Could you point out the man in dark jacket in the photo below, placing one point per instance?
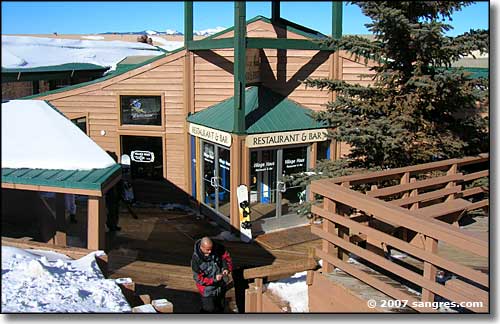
(211, 265)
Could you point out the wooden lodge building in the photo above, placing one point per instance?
(223, 111)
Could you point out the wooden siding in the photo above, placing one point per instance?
(102, 107)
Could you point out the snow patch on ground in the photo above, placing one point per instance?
(293, 290)
(93, 37)
(45, 282)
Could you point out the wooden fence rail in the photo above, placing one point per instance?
(412, 217)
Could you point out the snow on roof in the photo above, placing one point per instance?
(24, 51)
(36, 136)
(46, 282)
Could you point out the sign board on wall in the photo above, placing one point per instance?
(210, 134)
(286, 138)
(142, 156)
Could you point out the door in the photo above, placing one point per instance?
(270, 196)
(146, 156)
(216, 169)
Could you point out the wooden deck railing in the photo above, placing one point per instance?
(404, 216)
(255, 300)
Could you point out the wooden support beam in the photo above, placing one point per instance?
(235, 156)
(209, 44)
(188, 23)
(275, 11)
(60, 237)
(286, 43)
(337, 19)
(240, 46)
(96, 223)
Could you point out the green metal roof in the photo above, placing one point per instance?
(265, 112)
(477, 73)
(301, 30)
(57, 68)
(73, 179)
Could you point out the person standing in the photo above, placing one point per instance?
(113, 198)
(211, 265)
(70, 204)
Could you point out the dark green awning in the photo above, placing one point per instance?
(265, 112)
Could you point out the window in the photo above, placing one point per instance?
(81, 122)
(140, 110)
(324, 150)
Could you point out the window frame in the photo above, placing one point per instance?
(141, 127)
(85, 115)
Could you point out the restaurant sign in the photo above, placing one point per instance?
(210, 134)
(286, 138)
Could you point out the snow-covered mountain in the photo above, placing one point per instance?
(204, 32)
(209, 31)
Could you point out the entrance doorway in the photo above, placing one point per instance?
(270, 197)
(146, 155)
(216, 170)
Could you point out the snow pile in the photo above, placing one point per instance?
(93, 37)
(45, 282)
(166, 44)
(24, 51)
(36, 136)
(293, 290)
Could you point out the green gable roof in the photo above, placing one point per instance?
(72, 179)
(265, 112)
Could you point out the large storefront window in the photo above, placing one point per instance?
(216, 169)
(270, 196)
(140, 110)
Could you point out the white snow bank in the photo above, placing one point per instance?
(209, 31)
(45, 281)
(93, 37)
(24, 51)
(293, 290)
(36, 136)
(166, 44)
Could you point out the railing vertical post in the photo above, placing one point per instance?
(431, 245)
(453, 170)
(328, 227)
(414, 193)
(343, 232)
(405, 179)
(259, 282)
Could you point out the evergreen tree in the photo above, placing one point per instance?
(419, 109)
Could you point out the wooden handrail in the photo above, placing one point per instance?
(398, 172)
(396, 269)
(397, 215)
(405, 247)
(277, 270)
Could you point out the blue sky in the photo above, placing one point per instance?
(42, 17)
